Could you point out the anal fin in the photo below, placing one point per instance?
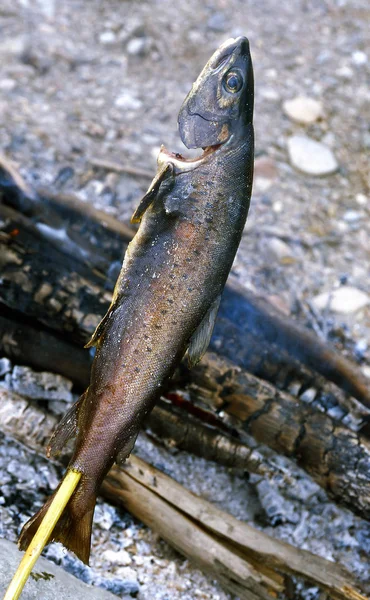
(66, 429)
(200, 339)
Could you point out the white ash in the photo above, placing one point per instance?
(39, 386)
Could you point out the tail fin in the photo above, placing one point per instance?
(73, 529)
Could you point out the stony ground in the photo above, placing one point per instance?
(84, 80)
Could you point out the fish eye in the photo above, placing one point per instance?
(233, 82)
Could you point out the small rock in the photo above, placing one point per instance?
(344, 300)
(121, 557)
(7, 85)
(359, 58)
(361, 199)
(311, 157)
(279, 250)
(270, 94)
(127, 101)
(344, 72)
(107, 38)
(351, 216)
(303, 109)
(138, 46)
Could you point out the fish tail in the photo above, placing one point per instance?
(73, 529)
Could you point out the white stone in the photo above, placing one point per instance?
(311, 157)
(7, 84)
(138, 46)
(121, 557)
(303, 109)
(270, 94)
(278, 250)
(107, 37)
(359, 58)
(351, 216)
(344, 300)
(361, 199)
(127, 102)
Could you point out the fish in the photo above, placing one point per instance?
(168, 292)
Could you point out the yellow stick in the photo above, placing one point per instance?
(42, 535)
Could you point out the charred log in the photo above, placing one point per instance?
(43, 229)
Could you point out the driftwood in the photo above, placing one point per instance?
(247, 562)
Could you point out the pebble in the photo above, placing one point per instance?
(138, 46)
(127, 101)
(279, 250)
(303, 109)
(107, 37)
(121, 557)
(344, 300)
(311, 157)
(265, 172)
(359, 58)
(351, 216)
(7, 84)
(361, 199)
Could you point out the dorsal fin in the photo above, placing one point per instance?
(201, 337)
(165, 171)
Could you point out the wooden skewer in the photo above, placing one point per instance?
(42, 535)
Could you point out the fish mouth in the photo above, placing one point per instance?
(179, 158)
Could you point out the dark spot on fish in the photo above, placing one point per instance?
(149, 349)
(137, 370)
(169, 300)
(164, 311)
(185, 276)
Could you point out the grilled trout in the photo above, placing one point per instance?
(168, 292)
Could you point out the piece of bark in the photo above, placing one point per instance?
(246, 561)
(337, 458)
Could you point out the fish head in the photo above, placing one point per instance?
(220, 104)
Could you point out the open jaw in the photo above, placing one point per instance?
(178, 158)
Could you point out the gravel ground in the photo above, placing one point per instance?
(80, 80)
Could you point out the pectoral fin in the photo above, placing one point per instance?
(95, 338)
(200, 339)
(165, 171)
(66, 429)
